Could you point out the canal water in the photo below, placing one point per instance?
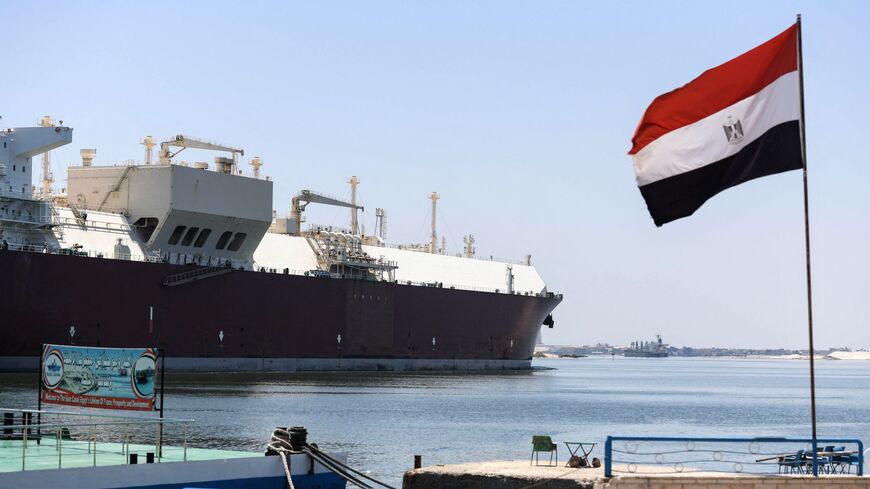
(383, 419)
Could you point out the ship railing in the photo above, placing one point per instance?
(638, 455)
(73, 251)
(109, 226)
(474, 288)
(318, 228)
(14, 194)
(440, 285)
(25, 223)
(286, 271)
(44, 439)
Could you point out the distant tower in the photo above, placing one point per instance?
(256, 163)
(381, 224)
(469, 245)
(47, 177)
(434, 196)
(149, 144)
(354, 182)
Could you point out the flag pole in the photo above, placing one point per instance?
(803, 135)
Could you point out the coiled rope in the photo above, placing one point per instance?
(284, 442)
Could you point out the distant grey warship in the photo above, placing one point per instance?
(648, 349)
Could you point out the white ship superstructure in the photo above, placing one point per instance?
(215, 217)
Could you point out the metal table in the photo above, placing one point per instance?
(580, 446)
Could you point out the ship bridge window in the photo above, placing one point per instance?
(176, 234)
(222, 241)
(200, 240)
(237, 241)
(145, 227)
(189, 235)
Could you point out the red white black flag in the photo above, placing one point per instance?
(734, 123)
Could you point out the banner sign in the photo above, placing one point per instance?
(106, 378)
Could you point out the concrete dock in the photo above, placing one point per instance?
(518, 474)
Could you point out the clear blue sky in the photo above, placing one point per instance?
(518, 113)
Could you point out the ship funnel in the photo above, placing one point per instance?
(149, 143)
(223, 164)
(87, 156)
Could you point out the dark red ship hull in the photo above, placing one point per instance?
(245, 320)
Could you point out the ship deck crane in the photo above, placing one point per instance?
(184, 142)
(305, 197)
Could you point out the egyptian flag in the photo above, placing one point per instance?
(734, 123)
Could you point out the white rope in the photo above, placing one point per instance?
(281, 445)
(282, 448)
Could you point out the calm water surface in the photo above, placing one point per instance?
(381, 419)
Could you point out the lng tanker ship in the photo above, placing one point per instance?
(192, 259)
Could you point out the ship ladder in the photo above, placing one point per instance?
(116, 187)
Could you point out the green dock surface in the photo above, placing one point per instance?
(49, 454)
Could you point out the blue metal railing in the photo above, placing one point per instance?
(754, 449)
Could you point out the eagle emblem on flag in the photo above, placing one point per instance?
(733, 130)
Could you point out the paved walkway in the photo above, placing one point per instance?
(518, 474)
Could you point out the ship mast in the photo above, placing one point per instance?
(354, 182)
(47, 177)
(256, 163)
(469, 245)
(434, 196)
(381, 224)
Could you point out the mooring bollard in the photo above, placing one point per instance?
(298, 438)
(418, 461)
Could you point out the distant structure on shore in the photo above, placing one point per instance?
(598, 349)
(647, 349)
